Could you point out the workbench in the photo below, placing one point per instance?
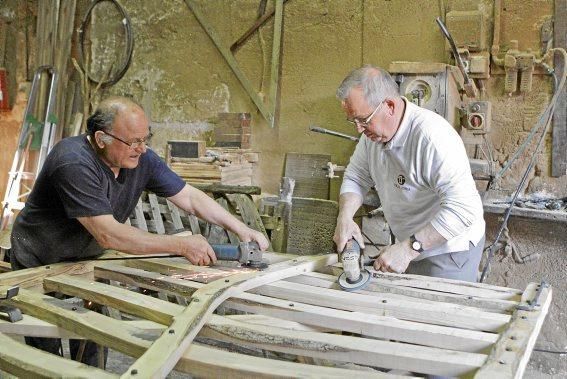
(290, 320)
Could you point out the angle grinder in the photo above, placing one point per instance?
(354, 276)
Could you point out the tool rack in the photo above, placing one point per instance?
(290, 320)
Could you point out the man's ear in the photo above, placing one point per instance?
(98, 139)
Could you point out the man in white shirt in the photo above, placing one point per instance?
(418, 164)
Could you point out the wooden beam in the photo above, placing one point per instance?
(164, 353)
(559, 152)
(376, 287)
(372, 352)
(233, 64)
(25, 361)
(510, 355)
(388, 305)
(94, 326)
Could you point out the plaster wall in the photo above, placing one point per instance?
(182, 80)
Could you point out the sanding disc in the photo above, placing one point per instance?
(349, 285)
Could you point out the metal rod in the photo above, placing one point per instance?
(318, 129)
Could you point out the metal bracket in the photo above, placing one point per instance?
(14, 314)
(535, 301)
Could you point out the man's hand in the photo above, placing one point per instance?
(346, 230)
(197, 250)
(253, 235)
(395, 258)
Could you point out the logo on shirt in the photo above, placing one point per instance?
(400, 181)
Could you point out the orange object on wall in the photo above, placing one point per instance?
(4, 100)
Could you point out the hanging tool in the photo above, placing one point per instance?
(37, 133)
(318, 129)
(246, 253)
(354, 276)
(470, 87)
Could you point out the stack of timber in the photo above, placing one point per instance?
(228, 166)
(292, 321)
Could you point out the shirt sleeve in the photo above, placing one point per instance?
(357, 176)
(163, 181)
(446, 169)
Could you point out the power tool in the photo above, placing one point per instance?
(354, 276)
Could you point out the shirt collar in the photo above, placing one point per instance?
(399, 139)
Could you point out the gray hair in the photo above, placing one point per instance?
(103, 117)
(377, 85)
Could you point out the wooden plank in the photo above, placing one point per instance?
(139, 221)
(197, 360)
(27, 362)
(226, 189)
(374, 287)
(354, 322)
(438, 313)
(446, 285)
(233, 64)
(558, 151)
(94, 326)
(249, 213)
(127, 301)
(510, 355)
(233, 238)
(156, 214)
(390, 355)
(164, 353)
(175, 216)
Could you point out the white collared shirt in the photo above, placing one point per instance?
(422, 176)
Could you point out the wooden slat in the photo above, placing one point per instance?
(164, 353)
(354, 322)
(140, 220)
(175, 216)
(94, 326)
(377, 287)
(363, 351)
(127, 301)
(438, 314)
(156, 214)
(511, 353)
(249, 213)
(27, 362)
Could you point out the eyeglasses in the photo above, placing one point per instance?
(134, 144)
(364, 123)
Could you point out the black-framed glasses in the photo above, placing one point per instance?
(364, 123)
(134, 144)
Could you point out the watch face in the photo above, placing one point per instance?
(416, 245)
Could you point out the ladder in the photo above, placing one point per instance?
(36, 134)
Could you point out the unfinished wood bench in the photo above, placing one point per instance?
(290, 320)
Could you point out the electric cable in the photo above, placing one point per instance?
(127, 24)
(549, 112)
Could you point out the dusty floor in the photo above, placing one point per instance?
(550, 240)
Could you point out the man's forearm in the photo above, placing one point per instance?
(349, 202)
(429, 237)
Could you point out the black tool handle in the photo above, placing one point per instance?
(227, 252)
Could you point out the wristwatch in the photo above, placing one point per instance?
(415, 244)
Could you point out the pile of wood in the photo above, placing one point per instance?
(220, 166)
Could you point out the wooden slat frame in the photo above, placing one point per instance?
(354, 322)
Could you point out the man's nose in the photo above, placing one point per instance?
(141, 148)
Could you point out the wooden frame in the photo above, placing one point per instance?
(400, 322)
(268, 111)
